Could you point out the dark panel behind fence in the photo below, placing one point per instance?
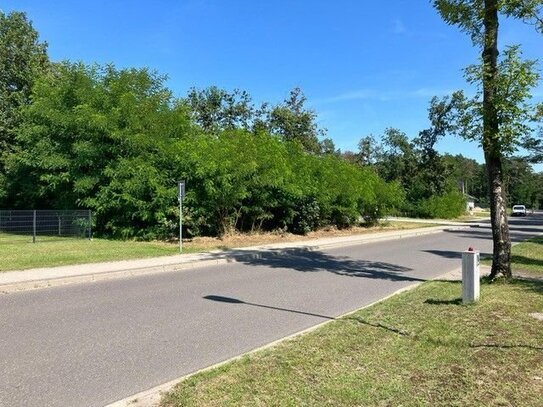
(33, 225)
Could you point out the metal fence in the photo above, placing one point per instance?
(34, 225)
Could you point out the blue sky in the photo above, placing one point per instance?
(364, 65)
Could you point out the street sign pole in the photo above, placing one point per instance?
(181, 196)
(180, 226)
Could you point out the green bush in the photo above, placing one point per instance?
(450, 205)
(117, 142)
(306, 217)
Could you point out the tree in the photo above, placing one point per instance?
(523, 185)
(467, 173)
(327, 146)
(293, 122)
(216, 109)
(104, 139)
(397, 161)
(368, 151)
(22, 59)
(480, 20)
(535, 146)
(431, 168)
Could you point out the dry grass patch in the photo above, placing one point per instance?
(255, 239)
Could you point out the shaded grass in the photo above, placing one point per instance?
(525, 257)
(420, 348)
(528, 255)
(17, 252)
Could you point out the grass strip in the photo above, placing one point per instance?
(24, 255)
(528, 256)
(19, 253)
(419, 348)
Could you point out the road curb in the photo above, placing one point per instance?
(210, 259)
(103, 276)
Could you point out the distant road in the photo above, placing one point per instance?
(92, 344)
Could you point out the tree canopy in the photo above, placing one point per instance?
(23, 58)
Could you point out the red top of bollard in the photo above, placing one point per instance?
(470, 249)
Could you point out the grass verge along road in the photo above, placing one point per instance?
(528, 256)
(17, 254)
(418, 348)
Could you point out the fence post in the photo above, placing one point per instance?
(34, 227)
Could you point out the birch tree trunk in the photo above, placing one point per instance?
(501, 259)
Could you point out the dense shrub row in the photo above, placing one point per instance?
(117, 141)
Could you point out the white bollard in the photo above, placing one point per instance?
(470, 276)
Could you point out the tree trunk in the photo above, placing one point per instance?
(501, 260)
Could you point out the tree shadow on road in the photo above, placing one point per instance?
(513, 221)
(448, 254)
(232, 300)
(517, 235)
(306, 260)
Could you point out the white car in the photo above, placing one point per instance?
(519, 210)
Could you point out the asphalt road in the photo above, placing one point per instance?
(92, 344)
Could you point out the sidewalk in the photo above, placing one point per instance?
(12, 281)
(471, 222)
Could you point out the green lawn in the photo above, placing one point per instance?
(528, 256)
(24, 255)
(419, 348)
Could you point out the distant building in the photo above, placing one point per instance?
(470, 203)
